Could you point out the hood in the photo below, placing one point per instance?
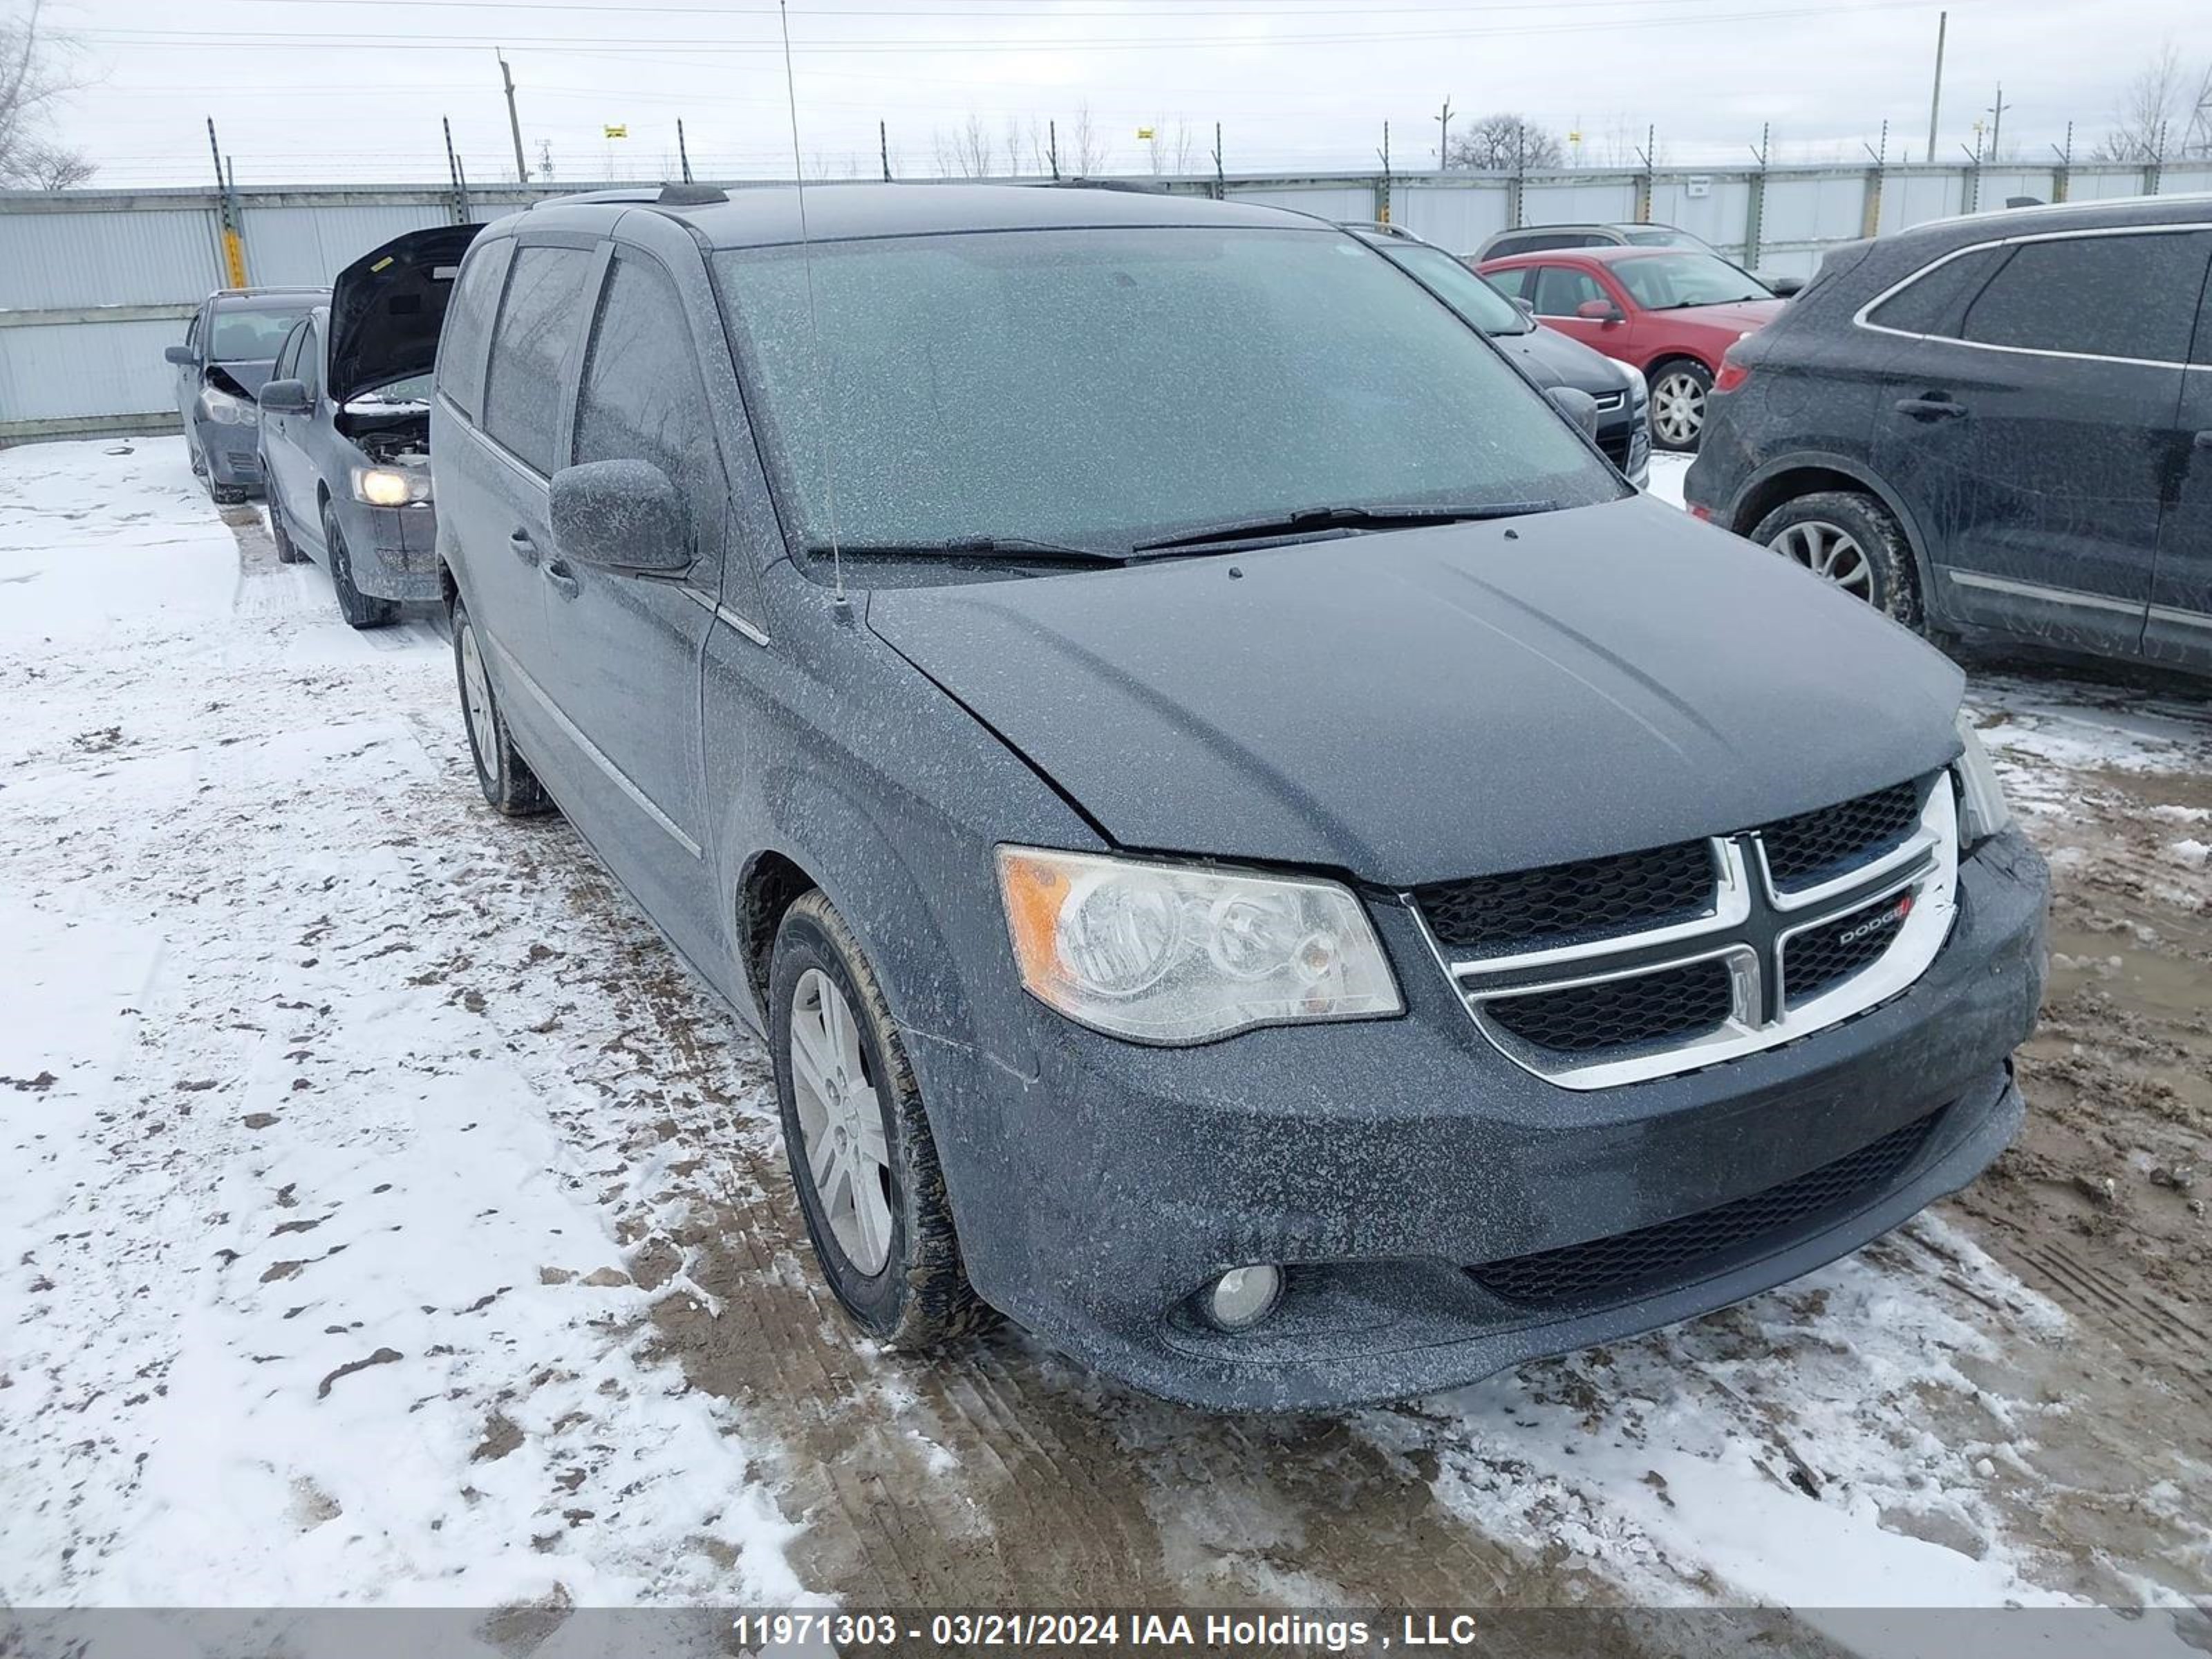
(243, 379)
(1739, 318)
(1553, 360)
(387, 306)
(1442, 702)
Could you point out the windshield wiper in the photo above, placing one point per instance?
(1320, 520)
(971, 547)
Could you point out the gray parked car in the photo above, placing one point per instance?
(227, 351)
(1252, 851)
(345, 426)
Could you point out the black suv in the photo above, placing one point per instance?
(2001, 423)
(1252, 851)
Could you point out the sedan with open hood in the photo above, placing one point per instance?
(345, 426)
(1253, 852)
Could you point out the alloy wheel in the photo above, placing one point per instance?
(476, 693)
(841, 1123)
(1678, 408)
(1830, 552)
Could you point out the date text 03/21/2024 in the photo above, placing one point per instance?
(1212, 1631)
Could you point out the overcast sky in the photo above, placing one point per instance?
(306, 90)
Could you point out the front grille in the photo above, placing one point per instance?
(1564, 902)
(1802, 851)
(1831, 953)
(1617, 446)
(1692, 1247)
(1617, 1013)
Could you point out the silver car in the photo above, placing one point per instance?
(226, 356)
(345, 427)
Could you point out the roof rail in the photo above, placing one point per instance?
(665, 195)
(1129, 184)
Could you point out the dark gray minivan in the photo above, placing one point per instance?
(1254, 853)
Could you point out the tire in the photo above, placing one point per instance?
(1681, 385)
(288, 550)
(1849, 538)
(504, 777)
(909, 1288)
(355, 606)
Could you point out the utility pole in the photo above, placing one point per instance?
(1444, 137)
(1935, 99)
(682, 151)
(513, 122)
(883, 147)
(1996, 122)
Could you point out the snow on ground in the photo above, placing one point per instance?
(389, 1219)
(310, 1292)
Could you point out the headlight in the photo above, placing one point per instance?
(227, 411)
(386, 486)
(1175, 953)
(1982, 809)
(1639, 389)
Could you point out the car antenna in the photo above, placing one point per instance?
(813, 316)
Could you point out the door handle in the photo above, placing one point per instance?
(563, 580)
(1930, 409)
(524, 549)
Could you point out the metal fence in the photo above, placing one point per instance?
(95, 283)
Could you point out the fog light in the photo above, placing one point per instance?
(1243, 1297)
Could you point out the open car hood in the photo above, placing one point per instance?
(388, 306)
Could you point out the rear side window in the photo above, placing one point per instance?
(1930, 302)
(2105, 296)
(530, 351)
(1561, 288)
(468, 319)
(641, 398)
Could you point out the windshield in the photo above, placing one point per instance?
(1667, 281)
(244, 333)
(1479, 304)
(411, 392)
(1098, 388)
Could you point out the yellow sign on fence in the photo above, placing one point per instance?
(621, 132)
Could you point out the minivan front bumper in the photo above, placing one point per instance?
(1439, 1211)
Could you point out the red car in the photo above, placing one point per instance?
(1668, 312)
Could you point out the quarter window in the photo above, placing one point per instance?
(530, 351)
(1514, 283)
(1930, 303)
(459, 372)
(641, 398)
(2106, 296)
(308, 369)
(289, 357)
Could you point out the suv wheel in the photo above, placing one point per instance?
(355, 606)
(857, 1141)
(1850, 539)
(1678, 404)
(505, 777)
(288, 550)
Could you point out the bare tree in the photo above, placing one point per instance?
(966, 151)
(32, 78)
(1085, 153)
(2165, 109)
(1171, 149)
(1501, 143)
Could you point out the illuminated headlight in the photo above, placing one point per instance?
(1982, 809)
(386, 486)
(226, 410)
(1175, 953)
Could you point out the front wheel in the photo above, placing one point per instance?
(1849, 538)
(1678, 404)
(355, 606)
(861, 1155)
(505, 777)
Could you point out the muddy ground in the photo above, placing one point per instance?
(2007, 1400)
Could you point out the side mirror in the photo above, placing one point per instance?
(623, 515)
(1598, 311)
(1527, 308)
(182, 355)
(285, 398)
(1783, 287)
(1577, 407)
